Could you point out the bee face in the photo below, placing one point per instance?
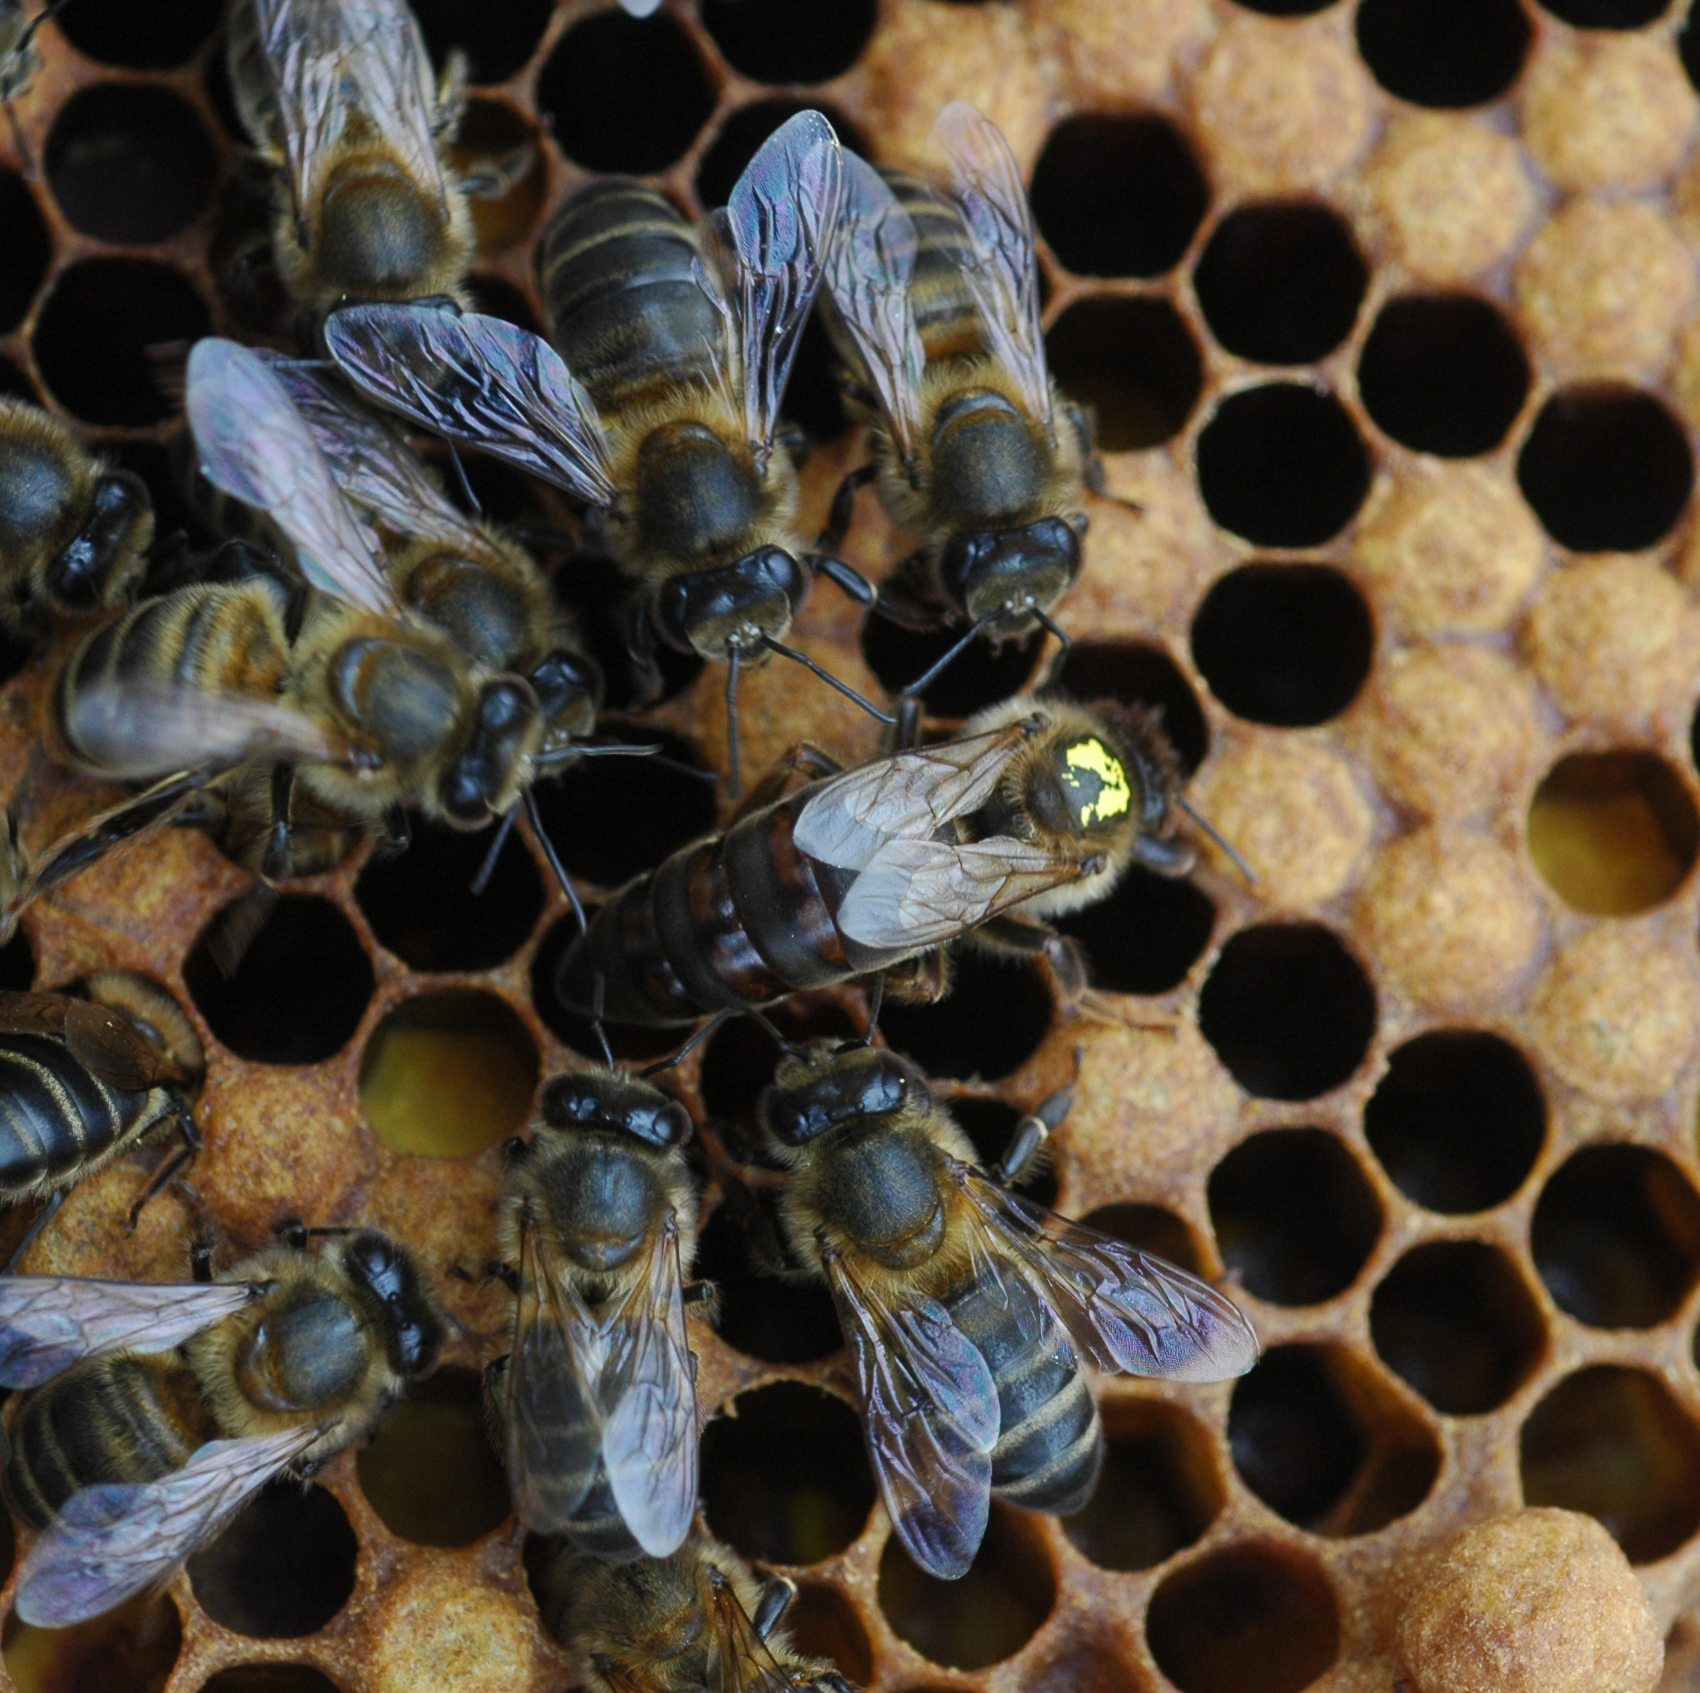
(824, 1089)
(412, 1330)
(985, 570)
(593, 1099)
(568, 687)
(711, 611)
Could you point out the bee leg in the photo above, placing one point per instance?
(506, 1274)
(832, 1682)
(292, 1232)
(167, 1172)
(850, 581)
(1031, 1134)
(1016, 937)
(1169, 856)
(1092, 467)
(935, 670)
(876, 1004)
(777, 1592)
(33, 1233)
(699, 1293)
(639, 635)
(201, 1250)
(843, 506)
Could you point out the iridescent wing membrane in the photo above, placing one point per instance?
(911, 889)
(611, 1389)
(331, 63)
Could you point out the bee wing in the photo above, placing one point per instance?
(776, 229)
(48, 1323)
(1129, 1311)
(851, 817)
(114, 1541)
(113, 1049)
(375, 468)
(743, 1661)
(253, 444)
(479, 380)
(868, 269)
(1003, 275)
(648, 1394)
(135, 730)
(552, 1420)
(330, 59)
(930, 1412)
(921, 893)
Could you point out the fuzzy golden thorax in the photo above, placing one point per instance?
(155, 1015)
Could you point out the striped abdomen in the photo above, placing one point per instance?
(625, 310)
(117, 1419)
(740, 918)
(945, 313)
(1050, 1442)
(58, 1120)
(225, 639)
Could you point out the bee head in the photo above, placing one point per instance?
(600, 1099)
(708, 611)
(385, 1275)
(480, 782)
(988, 572)
(826, 1085)
(568, 686)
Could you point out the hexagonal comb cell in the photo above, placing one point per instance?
(269, 1678)
(131, 1649)
(780, 1322)
(1157, 1493)
(785, 1477)
(1133, 362)
(824, 1624)
(283, 1568)
(1610, 1440)
(1152, 1229)
(1445, 53)
(497, 40)
(980, 677)
(1616, 1236)
(1293, 1214)
(115, 33)
(986, 1616)
(990, 1025)
(429, 1472)
(1456, 1320)
(1613, 832)
(28, 250)
(1319, 1437)
(1284, 644)
(1253, 1618)
(774, 41)
(1145, 678)
(447, 1074)
(1457, 1121)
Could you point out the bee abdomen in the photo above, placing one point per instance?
(121, 1419)
(597, 1526)
(1050, 1443)
(625, 309)
(945, 313)
(55, 1116)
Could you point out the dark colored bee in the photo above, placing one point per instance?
(659, 402)
(970, 1312)
(73, 534)
(1036, 811)
(935, 299)
(85, 1075)
(597, 1399)
(158, 1410)
(696, 1621)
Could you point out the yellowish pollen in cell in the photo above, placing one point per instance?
(1114, 795)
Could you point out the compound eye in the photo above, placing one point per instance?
(674, 1122)
(568, 1100)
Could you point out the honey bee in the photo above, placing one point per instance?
(345, 689)
(339, 99)
(1036, 811)
(935, 300)
(658, 405)
(693, 1621)
(597, 1398)
(86, 1074)
(74, 534)
(156, 1411)
(970, 1312)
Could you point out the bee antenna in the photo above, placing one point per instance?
(535, 818)
(460, 476)
(733, 663)
(696, 1039)
(876, 1004)
(831, 681)
(1211, 830)
(488, 868)
(598, 990)
(1053, 672)
(930, 675)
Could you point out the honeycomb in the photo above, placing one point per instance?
(1387, 309)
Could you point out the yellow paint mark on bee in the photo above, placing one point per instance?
(1114, 795)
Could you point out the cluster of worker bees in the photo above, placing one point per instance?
(360, 648)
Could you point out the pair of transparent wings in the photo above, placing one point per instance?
(256, 444)
(333, 65)
(611, 1392)
(929, 1400)
(873, 260)
(484, 382)
(910, 889)
(113, 1541)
